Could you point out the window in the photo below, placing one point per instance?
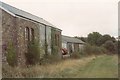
(32, 34)
(27, 34)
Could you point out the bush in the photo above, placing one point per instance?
(54, 58)
(33, 55)
(110, 46)
(11, 55)
(89, 50)
(75, 55)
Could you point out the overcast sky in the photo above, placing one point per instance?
(75, 17)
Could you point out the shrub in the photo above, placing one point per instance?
(54, 58)
(110, 46)
(33, 55)
(75, 55)
(89, 50)
(11, 55)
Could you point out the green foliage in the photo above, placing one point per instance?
(51, 59)
(113, 39)
(110, 46)
(33, 55)
(84, 39)
(97, 39)
(99, 67)
(11, 55)
(76, 55)
(89, 50)
(93, 37)
(103, 39)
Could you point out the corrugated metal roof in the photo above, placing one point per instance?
(22, 13)
(71, 39)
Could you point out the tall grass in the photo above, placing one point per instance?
(55, 70)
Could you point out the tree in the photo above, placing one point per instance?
(101, 40)
(113, 39)
(93, 37)
(84, 39)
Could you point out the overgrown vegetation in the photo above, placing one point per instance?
(110, 46)
(96, 50)
(97, 43)
(76, 55)
(50, 59)
(11, 54)
(33, 54)
(102, 66)
(53, 66)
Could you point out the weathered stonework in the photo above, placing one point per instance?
(0, 43)
(9, 32)
(21, 41)
(14, 32)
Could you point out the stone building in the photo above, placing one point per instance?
(72, 44)
(20, 27)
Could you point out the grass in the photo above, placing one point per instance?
(97, 67)
(102, 67)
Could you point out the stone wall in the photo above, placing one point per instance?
(21, 40)
(56, 42)
(0, 43)
(14, 31)
(9, 33)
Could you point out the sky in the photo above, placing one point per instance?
(75, 17)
